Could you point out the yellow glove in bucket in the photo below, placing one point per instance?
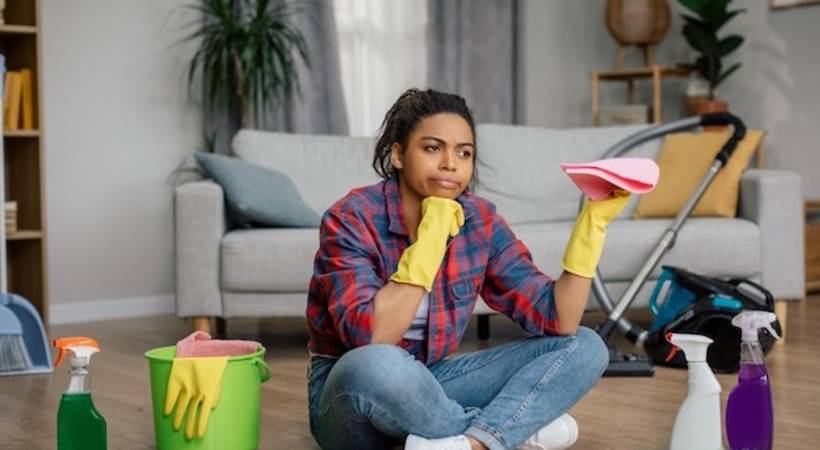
(420, 262)
(586, 243)
(194, 386)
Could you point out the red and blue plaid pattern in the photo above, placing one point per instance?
(362, 238)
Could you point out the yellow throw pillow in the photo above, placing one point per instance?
(684, 160)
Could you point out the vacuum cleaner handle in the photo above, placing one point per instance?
(723, 119)
(608, 326)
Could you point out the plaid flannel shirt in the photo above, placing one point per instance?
(362, 238)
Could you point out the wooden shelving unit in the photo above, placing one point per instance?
(18, 29)
(629, 76)
(24, 162)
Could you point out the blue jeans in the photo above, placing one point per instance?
(374, 396)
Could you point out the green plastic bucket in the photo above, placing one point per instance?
(234, 423)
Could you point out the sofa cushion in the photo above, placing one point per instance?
(324, 168)
(519, 167)
(252, 260)
(259, 194)
(268, 259)
(684, 159)
(715, 246)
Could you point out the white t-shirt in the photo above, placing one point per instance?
(418, 328)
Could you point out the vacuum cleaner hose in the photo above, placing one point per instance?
(723, 119)
(615, 312)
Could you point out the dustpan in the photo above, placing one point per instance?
(16, 313)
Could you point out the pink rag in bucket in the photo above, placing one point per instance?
(200, 343)
(598, 179)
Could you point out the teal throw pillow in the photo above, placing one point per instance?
(259, 194)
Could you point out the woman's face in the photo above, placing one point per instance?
(439, 157)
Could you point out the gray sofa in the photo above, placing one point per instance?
(225, 272)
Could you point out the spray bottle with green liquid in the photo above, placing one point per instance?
(79, 425)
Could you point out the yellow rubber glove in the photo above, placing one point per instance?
(419, 264)
(194, 385)
(586, 243)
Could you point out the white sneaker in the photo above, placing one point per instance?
(459, 442)
(559, 434)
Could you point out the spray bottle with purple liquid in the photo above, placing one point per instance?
(749, 412)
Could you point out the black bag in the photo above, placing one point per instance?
(714, 303)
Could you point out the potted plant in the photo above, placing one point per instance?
(246, 59)
(701, 32)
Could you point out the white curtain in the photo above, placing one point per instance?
(383, 51)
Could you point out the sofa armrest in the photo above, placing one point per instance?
(199, 224)
(774, 200)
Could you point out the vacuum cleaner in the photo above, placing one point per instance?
(631, 364)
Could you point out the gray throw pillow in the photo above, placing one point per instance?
(258, 194)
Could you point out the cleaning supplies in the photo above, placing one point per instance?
(13, 354)
(200, 343)
(420, 262)
(79, 425)
(697, 425)
(749, 413)
(194, 383)
(599, 179)
(688, 302)
(193, 390)
(23, 344)
(233, 425)
(586, 243)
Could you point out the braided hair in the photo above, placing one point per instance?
(402, 118)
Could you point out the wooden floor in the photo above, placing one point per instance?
(619, 413)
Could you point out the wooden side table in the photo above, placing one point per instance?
(655, 72)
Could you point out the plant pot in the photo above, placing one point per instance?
(697, 90)
(707, 106)
(637, 22)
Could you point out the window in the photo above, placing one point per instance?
(382, 51)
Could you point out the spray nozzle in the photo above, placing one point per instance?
(82, 348)
(751, 320)
(694, 346)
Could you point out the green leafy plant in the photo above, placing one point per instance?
(701, 32)
(246, 57)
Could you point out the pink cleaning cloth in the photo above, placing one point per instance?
(200, 343)
(598, 179)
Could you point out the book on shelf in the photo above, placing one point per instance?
(18, 100)
(27, 102)
(10, 215)
(11, 110)
(6, 94)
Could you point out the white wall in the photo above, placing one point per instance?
(116, 125)
(796, 141)
(776, 89)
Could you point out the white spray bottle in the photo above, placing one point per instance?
(697, 425)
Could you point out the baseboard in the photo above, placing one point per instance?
(118, 308)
